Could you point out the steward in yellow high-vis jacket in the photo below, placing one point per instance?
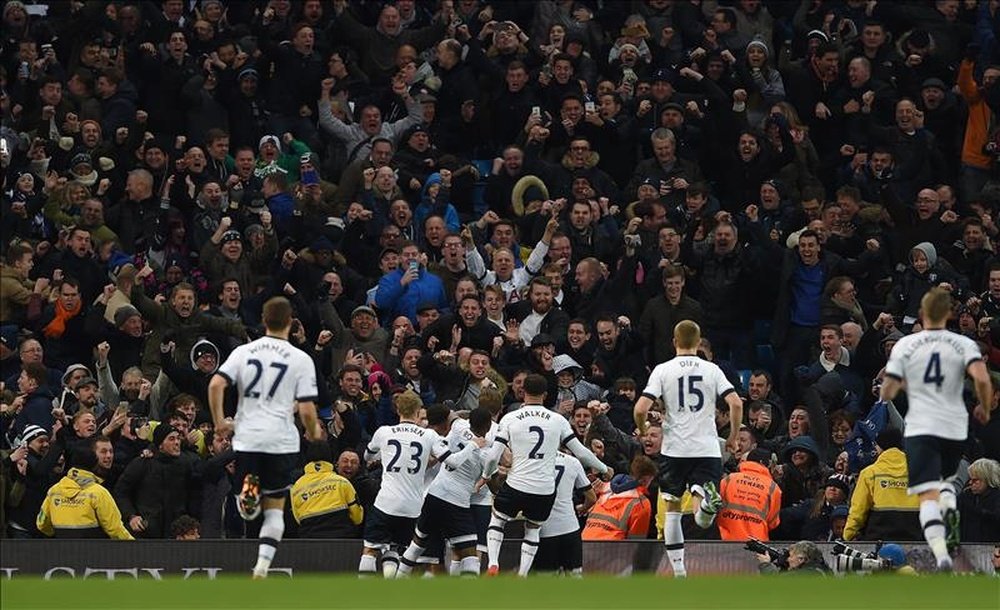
(323, 502)
(78, 506)
(880, 507)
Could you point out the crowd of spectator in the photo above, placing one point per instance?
(457, 193)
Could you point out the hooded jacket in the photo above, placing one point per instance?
(78, 506)
(913, 285)
(581, 390)
(190, 380)
(440, 205)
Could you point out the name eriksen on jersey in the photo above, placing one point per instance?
(408, 428)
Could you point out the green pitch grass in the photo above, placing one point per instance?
(604, 593)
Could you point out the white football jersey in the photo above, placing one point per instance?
(405, 451)
(483, 497)
(570, 477)
(269, 376)
(689, 388)
(455, 485)
(533, 434)
(933, 365)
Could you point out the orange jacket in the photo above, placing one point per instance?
(750, 503)
(619, 516)
(977, 126)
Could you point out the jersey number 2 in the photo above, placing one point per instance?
(416, 450)
(692, 390)
(533, 454)
(933, 372)
(250, 392)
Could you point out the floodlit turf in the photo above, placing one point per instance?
(604, 593)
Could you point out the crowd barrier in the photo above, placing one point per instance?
(151, 559)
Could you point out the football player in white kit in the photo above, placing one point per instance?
(446, 513)
(689, 388)
(272, 378)
(405, 451)
(933, 364)
(534, 435)
(561, 547)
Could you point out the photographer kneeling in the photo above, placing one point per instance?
(803, 557)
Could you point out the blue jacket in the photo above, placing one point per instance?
(438, 205)
(393, 299)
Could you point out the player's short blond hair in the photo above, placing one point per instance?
(408, 403)
(687, 334)
(277, 314)
(936, 305)
(491, 399)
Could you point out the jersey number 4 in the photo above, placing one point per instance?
(251, 391)
(690, 391)
(933, 374)
(416, 450)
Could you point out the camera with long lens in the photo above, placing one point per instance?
(778, 557)
(847, 559)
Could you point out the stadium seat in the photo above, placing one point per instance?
(762, 331)
(765, 356)
(744, 378)
(484, 166)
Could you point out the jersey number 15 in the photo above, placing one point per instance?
(690, 390)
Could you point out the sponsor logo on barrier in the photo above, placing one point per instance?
(58, 572)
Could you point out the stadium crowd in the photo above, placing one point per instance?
(457, 194)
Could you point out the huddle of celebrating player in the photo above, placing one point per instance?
(438, 481)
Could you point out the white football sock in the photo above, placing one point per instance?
(673, 537)
(494, 539)
(528, 549)
(934, 532)
(270, 535)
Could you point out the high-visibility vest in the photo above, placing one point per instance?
(751, 501)
(619, 516)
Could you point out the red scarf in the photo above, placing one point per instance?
(56, 328)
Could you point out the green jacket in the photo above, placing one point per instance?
(184, 332)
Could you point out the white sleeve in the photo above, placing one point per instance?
(654, 387)
(972, 352)
(894, 367)
(586, 456)
(443, 453)
(537, 258)
(306, 389)
(374, 445)
(722, 384)
(231, 368)
(581, 481)
(475, 264)
(495, 452)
